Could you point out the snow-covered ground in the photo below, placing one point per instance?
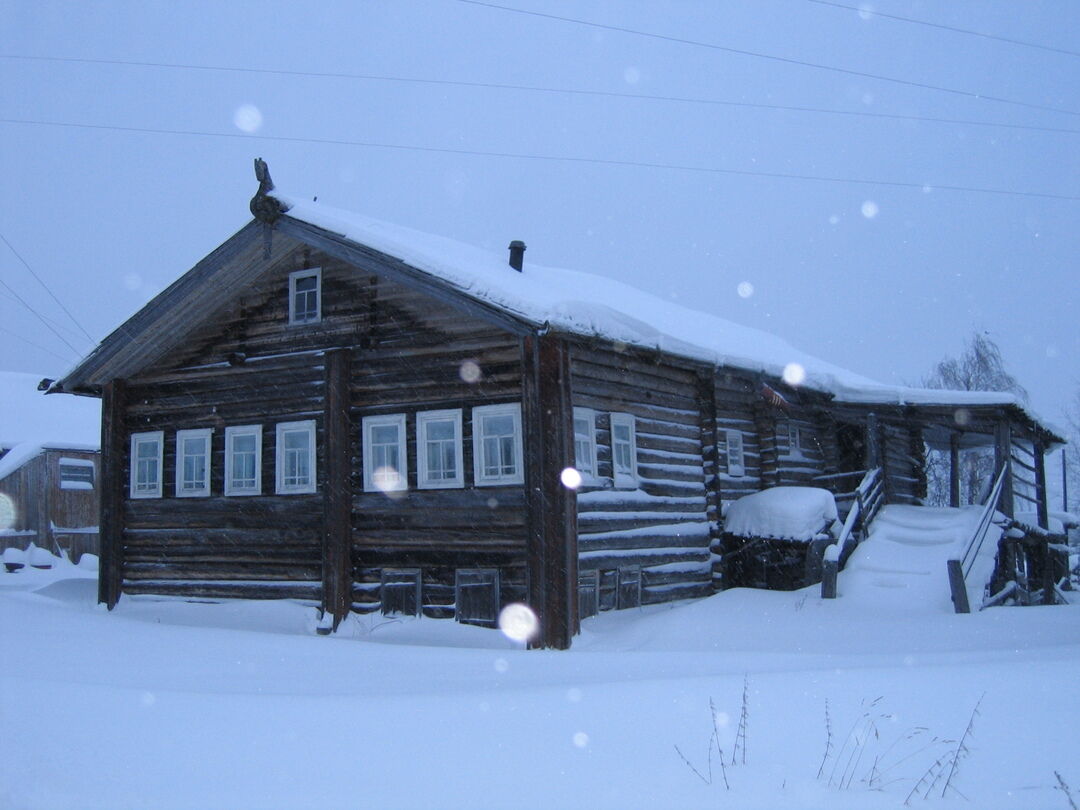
(172, 704)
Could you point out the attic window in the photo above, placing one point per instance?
(76, 473)
(305, 296)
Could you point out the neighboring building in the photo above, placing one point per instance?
(333, 408)
(48, 469)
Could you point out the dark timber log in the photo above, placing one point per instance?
(954, 470)
(551, 507)
(337, 531)
(1040, 486)
(111, 528)
(1003, 459)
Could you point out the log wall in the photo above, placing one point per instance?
(662, 527)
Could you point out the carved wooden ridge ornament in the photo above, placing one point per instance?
(264, 207)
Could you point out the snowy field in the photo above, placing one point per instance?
(170, 704)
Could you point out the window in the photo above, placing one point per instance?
(386, 468)
(497, 444)
(77, 473)
(477, 596)
(624, 449)
(799, 439)
(585, 441)
(438, 450)
(146, 464)
(296, 457)
(243, 460)
(400, 592)
(193, 463)
(305, 296)
(736, 464)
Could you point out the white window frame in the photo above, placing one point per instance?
(512, 409)
(367, 424)
(623, 478)
(735, 453)
(589, 440)
(156, 437)
(231, 433)
(295, 276)
(794, 440)
(307, 425)
(203, 490)
(74, 484)
(423, 419)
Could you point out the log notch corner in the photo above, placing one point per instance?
(551, 507)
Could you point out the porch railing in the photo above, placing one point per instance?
(869, 497)
(959, 568)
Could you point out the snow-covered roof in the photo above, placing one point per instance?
(31, 421)
(585, 304)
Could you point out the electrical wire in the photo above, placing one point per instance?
(772, 57)
(542, 89)
(52, 295)
(871, 12)
(39, 316)
(551, 158)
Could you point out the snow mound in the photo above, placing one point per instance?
(786, 513)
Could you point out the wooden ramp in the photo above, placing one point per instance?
(903, 562)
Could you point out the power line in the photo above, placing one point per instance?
(773, 58)
(37, 346)
(874, 13)
(18, 256)
(551, 158)
(40, 317)
(543, 89)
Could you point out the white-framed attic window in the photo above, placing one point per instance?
(193, 463)
(624, 450)
(295, 461)
(243, 460)
(77, 474)
(305, 296)
(585, 441)
(386, 467)
(736, 460)
(147, 461)
(439, 455)
(497, 445)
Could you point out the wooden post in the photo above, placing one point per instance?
(957, 587)
(954, 469)
(111, 521)
(337, 515)
(1042, 505)
(1003, 460)
(551, 507)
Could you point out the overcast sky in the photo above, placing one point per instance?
(131, 173)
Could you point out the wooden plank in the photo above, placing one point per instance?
(111, 525)
(337, 515)
(551, 554)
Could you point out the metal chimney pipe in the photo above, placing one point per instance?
(517, 254)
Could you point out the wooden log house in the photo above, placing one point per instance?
(331, 408)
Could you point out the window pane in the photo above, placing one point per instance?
(498, 425)
(296, 440)
(306, 283)
(147, 450)
(384, 434)
(442, 429)
(244, 443)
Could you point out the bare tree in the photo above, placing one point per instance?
(980, 367)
